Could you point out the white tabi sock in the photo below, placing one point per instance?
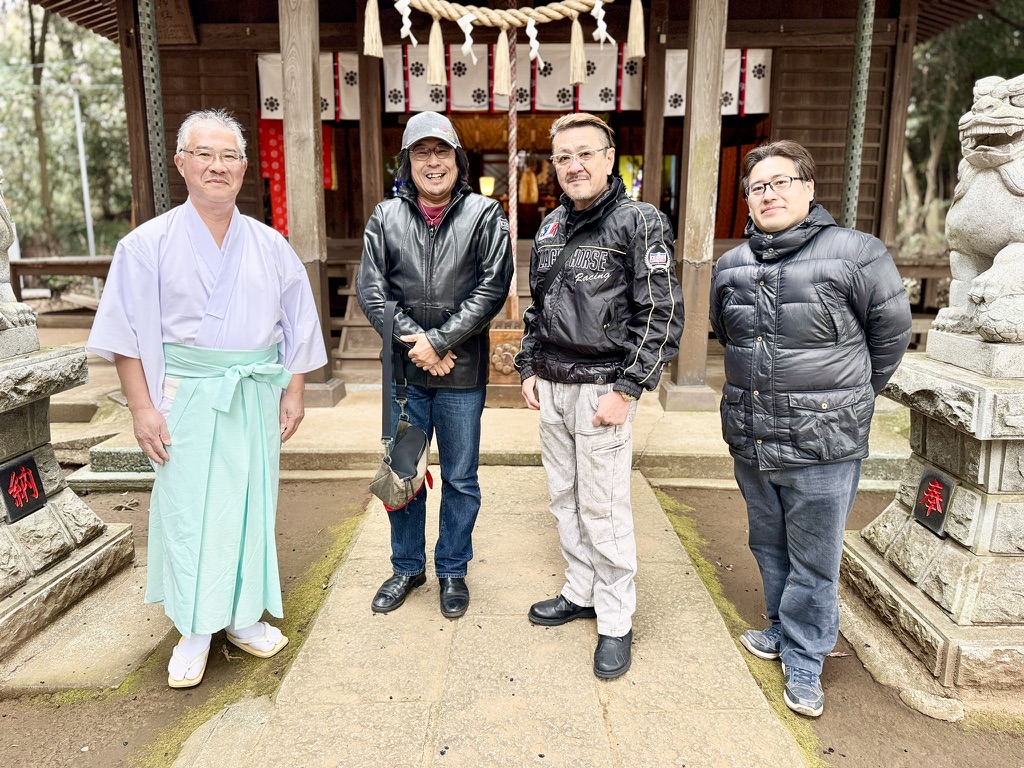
(189, 648)
(274, 635)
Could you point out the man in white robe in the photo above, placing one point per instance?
(210, 320)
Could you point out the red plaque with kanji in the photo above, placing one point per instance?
(932, 501)
(22, 487)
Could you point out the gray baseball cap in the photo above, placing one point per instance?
(427, 125)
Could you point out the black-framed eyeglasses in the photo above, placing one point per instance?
(207, 156)
(584, 156)
(441, 152)
(778, 184)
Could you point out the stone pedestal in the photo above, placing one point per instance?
(695, 397)
(54, 555)
(955, 599)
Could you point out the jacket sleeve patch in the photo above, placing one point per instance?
(657, 258)
(503, 222)
(548, 230)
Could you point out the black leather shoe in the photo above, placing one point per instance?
(613, 655)
(558, 610)
(392, 593)
(454, 597)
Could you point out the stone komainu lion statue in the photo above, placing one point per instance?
(13, 313)
(985, 224)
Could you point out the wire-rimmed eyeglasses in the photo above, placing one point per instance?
(441, 152)
(207, 156)
(584, 156)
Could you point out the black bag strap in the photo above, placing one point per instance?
(391, 365)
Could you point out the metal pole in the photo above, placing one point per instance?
(154, 105)
(80, 134)
(858, 108)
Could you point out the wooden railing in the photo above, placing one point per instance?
(91, 266)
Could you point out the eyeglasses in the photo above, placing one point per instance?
(441, 152)
(780, 184)
(206, 156)
(584, 156)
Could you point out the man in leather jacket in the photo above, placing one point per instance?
(444, 254)
(815, 320)
(597, 335)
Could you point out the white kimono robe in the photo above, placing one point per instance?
(169, 282)
(212, 556)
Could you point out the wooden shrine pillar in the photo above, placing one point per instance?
(654, 105)
(307, 232)
(371, 134)
(903, 69)
(130, 43)
(702, 139)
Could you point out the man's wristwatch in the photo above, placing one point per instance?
(626, 396)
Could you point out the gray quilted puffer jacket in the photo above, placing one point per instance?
(814, 320)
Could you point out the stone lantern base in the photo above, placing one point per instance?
(53, 555)
(947, 579)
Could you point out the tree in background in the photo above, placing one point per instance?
(47, 239)
(42, 57)
(946, 68)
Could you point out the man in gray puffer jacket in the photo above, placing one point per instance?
(814, 319)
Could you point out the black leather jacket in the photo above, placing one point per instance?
(814, 320)
(448, 284)
(614, 313)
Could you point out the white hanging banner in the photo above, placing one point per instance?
(600, 92)
(613, 82)
(631, 82)
(746, 82)
(469, 82)
(731, 81)
(406, 86)
(271, 86)
(328, 108)
(756, 88)
(675, 82)
(524, 75)
(554, 92)
(347, 79)
(422, 97)
(405, 81)
(394, 79)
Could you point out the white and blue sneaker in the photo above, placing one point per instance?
(765, 644)
(803, 692)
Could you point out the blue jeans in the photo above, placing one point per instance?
(797, 518)
(452, 418)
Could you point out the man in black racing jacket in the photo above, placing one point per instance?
(444, 254)
(598, 333)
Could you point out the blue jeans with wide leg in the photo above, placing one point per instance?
(797, 517)
(452, 418)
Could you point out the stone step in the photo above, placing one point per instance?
(119, 460)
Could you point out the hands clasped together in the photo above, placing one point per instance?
(426, 358)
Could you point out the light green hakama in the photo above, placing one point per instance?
(212, 549)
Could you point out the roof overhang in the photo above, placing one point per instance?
(100, 16)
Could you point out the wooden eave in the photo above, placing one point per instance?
(100, 16)
(936, 16)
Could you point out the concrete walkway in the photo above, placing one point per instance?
(412, 688)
